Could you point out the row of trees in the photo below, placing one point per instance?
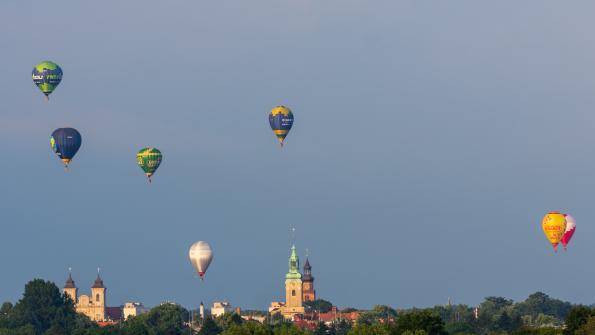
(44, 310)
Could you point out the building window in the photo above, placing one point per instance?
(97, 297)
(293, 293)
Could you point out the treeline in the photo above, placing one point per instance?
(44, 310)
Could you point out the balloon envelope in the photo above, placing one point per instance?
(281, 121)
(47, 76)
(149, 160)
(554, 225)
(569, 231)
(65, 143)
(201, 256)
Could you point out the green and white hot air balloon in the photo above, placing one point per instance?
(47, 76)
(149, 160)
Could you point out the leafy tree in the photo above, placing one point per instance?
(23, 330)
(225, 321)
(276, 318)
(496, 303)
(43, 307)
(460, 327)
(417, 332)
(419, 320)
(248, 328)
(322, 329)
(366, 318)
(166, 319)
(209, 327)
(538, 331)
(587, 328)
(540, 303)
(504, 322)
(341, 327)
(380, 313)
(454, 313)
(4, 314)
(577, 316)
(5, 309)
(136, 325)
(287, 328)
(383, 311)
(367, 329)
(319, 305)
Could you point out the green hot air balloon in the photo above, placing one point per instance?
(47, 76)
(149, 159)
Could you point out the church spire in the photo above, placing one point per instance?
(294, 265)
(98, 281)
(308, 271)
(69, 282)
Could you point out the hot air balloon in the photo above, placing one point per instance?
(570, 228)
(554, 225)
(47, 76)
(201, 256)
(149, 160)
(281, 120)
(66, 142)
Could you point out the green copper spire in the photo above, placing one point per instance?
(294, 265)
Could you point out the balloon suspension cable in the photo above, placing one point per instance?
(149, 180)
(281, 144)
(66, 167)
(47, 98)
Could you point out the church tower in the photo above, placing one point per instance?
(70, 288)
(308, 285)
(293, 287)
(98, 299)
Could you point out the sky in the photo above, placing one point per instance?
(430, 139)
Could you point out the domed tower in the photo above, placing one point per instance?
(308, 283)
(98, 299)
(293, 287)
(70, 288)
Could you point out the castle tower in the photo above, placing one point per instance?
(70, 288)
(98, 299)
(293, 287)
(308, 283)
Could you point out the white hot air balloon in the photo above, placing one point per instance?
(201, 256)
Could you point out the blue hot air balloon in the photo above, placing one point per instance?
(65, 143)
(281, 120)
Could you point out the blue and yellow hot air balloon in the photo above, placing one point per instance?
(281, 120)
(66, 142)
(47, 76)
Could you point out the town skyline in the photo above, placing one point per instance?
(429, 142)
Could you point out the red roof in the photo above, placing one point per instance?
(106, 323)
(330, 316)
(303, 324)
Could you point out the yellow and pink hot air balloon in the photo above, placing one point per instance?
(554, 226)
(569, 231)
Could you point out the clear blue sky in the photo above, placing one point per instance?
(430, 139)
